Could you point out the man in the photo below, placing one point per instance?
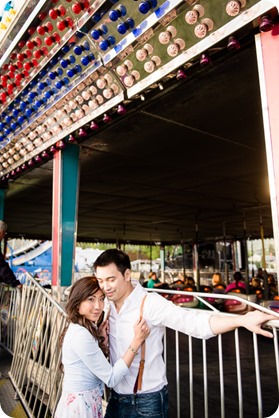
(6, 274)
(113, 271)
(153, 280)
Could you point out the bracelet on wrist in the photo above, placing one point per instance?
(133, 350)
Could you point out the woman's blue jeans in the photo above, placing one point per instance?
(151, 405)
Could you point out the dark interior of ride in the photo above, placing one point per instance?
(187, 163)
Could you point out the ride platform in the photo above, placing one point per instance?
(9, 405)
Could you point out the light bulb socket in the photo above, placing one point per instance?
(180, 75)
(121, 110)
(94, 126)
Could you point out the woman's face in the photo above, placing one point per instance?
(92, 307)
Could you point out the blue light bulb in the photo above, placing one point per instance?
(72, 59)
(59, 71)
(77, 50)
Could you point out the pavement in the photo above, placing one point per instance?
(9, 405)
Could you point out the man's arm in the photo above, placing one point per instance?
(6, 274)
(252, 321)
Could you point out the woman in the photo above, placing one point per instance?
(238, 284)
(84, 349)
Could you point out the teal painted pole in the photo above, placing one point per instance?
(64, 215)
(70, 188)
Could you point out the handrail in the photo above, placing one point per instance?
(199, 368)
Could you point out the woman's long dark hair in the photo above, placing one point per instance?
(79, 292)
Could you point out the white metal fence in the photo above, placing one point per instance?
(235, 375)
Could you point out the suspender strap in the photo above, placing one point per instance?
(138, 382)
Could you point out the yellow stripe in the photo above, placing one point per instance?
(18, 412)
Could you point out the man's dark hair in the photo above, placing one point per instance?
(113, 255)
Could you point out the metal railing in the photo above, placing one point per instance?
(9, 309)
(35, 371)
(222, 377)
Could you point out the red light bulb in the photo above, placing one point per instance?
(56, 37)
(34, 62)
(37, 54)
(21, 44)
(31, 30)
(21, 57)
(61, 25)
(77, 8)
(11, 75)
(41, 30)
(49, 26)
(30, 44)
(67, 23)
(3, 97)
(42, 16)
(49, 40)
(27, 66)
(38, 41)
(62, 10)
(12, 68)
(4, 80)
(53, 14)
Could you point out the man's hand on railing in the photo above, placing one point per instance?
(252, 321)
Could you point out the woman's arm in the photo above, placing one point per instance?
(141, 333)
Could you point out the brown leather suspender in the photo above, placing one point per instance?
(138, 382)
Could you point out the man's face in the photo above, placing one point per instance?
(113, 283)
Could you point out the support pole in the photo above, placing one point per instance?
(163, 261)
(246, 256)
(64, 216)
(267, 49)
(262, 239)
(225, 255)
(196, 259)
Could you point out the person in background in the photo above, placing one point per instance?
(256, 288)
(260, 274)
(190, 282)
(124, 297)
(238, 283)
(217, 284)
(84, 350)
(256, 284)
(6, 274)
(153, 280)
(272, 286)
(216, 279)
